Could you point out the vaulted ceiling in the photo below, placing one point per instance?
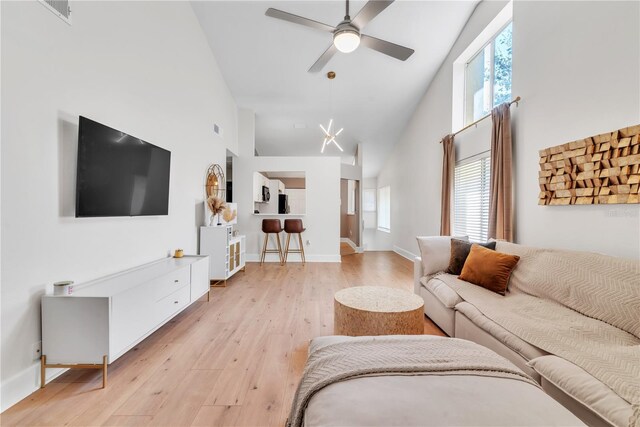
(265, 61)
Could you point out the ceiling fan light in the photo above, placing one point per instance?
(346, 40)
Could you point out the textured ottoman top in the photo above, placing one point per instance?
(379, 299)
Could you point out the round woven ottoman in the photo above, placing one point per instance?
(377, 310)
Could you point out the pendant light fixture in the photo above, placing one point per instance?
(329, 137)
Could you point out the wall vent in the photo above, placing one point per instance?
(217, 129)
(60, 8)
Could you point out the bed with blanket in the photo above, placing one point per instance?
(417, 381)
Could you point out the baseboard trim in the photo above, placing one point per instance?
(23, 384)
(294, 258)
(348, 241)
(404, 253)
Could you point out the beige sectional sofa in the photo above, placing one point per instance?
(571, 320)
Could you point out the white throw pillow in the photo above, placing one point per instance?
(435, 252)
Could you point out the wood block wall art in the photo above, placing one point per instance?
(602, 169)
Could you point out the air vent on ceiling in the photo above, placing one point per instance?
(60, 8)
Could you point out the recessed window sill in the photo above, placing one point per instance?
(384, 230)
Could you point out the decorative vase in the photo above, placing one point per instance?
(219, 222)
(212, 220)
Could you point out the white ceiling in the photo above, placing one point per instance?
(265, 61)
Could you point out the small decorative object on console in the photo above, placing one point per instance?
(230, 214)
(64, 288)
(216, 206)
(179, 253)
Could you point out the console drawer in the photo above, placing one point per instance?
(173, 303)
(168, 284)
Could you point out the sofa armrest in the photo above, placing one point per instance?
(418, 273)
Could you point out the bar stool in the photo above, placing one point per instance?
(271, 226)
(294, 226)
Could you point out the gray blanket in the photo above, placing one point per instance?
(396, 355)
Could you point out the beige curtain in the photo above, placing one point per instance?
(500, 198)
(448, 166)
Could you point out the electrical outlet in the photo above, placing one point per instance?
(36, 350)
(308, 242)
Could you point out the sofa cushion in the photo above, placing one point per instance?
(442, 316)
(447, 296)
(435, 252)
(598, 286)
(435, 401)
(319, 342)
(584, 388)
(512, 341)
(609, 354)
(460, 251)
(489, 269)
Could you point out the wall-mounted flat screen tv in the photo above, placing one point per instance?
(119, 174)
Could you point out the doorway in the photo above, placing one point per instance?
(349, 216)
(229, 177)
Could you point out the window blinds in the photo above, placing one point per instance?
(471, 198)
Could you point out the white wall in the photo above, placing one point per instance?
(141, 67)
(322, 210)
(574, 82)
(568, 93)
(353, 172)
(322, 217)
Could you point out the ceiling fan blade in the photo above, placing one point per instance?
(370, 11)
(388, 48)
(324, 58)
(286, 16)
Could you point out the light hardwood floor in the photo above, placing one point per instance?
(346, 249)
(233, 361)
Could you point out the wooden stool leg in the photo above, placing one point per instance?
(264, 248)
(286, 248)
(304, 261)
(279, 248)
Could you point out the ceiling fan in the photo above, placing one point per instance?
(347, 34)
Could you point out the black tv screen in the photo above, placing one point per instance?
(119, 174)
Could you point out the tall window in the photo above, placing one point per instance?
(369, 200)
(384, 209)
(488, 77)
(471, 198)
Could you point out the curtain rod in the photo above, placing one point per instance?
(515, 101)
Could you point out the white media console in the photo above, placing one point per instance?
(105, 318)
